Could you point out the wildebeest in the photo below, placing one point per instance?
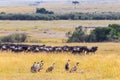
(91, 50)
(66, 48)
(4, 47)
(78, 49)
(57, 49)
(43, 48)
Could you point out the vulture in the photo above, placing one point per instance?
(67, 65)
(74, 68)
(50, 69)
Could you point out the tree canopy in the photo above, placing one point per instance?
(43, 14)
(100, 34)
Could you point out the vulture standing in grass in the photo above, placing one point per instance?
(40, 65)
(74, 68)
(34, 67)
(50, 69)
(37, 66)
(67, 65)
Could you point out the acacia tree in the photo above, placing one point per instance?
(75, 3)
(77, 36)
(99, 34)
(115, 31)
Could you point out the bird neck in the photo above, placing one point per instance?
(41, 64)
(76, 65)
(34, 64)
(52, 65)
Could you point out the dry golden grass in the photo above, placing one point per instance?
(45, 30)
(65, 8)
(104, 65)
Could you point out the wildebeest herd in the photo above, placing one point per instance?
(43, 48)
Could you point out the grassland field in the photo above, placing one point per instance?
(48, 31)
(65, 8)
(104, 65)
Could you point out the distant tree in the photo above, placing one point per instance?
(100, 34)
(91, 37)
(43, 14)
(14, 38)
(115, 31)
(68, 34)
(75, 3)
(43, 11)
(77, 36)
(2, 13)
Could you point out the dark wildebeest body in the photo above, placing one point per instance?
(57, 49)
(92, 50)
(48, 49)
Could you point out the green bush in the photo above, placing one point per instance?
(43, 11)
(100, 34)
(115, 31)
(14, 38)
(77, 36)
(43, 14)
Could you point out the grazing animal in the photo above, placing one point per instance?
(50, 69)
(34, 67)
(74, 68)
(67, 65)
(40, 65)
(40, 48)
(76, 49)
(92, 50)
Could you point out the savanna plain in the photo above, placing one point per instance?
(104, 65)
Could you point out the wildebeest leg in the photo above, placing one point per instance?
(94, 52)
(87, 53)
